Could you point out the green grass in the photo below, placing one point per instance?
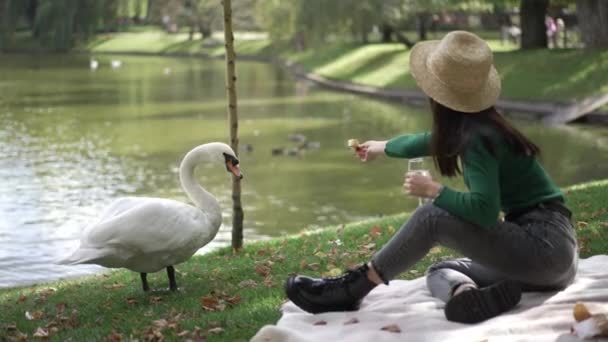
(537, 74)
(226, 296)
(561, 75)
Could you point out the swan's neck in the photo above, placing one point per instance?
(197, 194)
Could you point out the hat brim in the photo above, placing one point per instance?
(431, 85)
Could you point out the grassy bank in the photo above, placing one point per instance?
(563, 74)
(559, 75)
(226, 296)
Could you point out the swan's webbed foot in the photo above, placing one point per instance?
(172, 282)
(144, 282)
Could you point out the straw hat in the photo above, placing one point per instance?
(456, 71)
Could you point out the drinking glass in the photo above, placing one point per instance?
(417, 165)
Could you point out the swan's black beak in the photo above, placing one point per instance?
(232, 165)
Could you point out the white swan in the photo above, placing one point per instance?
(93, 64)
(146, 234)
(115, 63)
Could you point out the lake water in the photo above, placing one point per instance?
(73, 139)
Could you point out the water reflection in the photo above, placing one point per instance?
(73, 140)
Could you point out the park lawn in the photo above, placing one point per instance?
(227, 296)
(543, 74)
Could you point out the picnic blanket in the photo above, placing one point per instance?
(407, 312)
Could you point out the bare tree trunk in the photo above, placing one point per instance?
(149, 9)
(237, 208)
(593, 22)
(422, 20)
(401, 38)
(387, 33)
(533, 29)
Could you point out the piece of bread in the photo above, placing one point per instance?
(354, 144)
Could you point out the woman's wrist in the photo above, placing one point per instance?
(438, 187)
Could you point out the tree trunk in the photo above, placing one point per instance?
(387, 33)
(149, 9)
(422, 19)
(593, 22)
(237, 208)
(401, 38)
(533, 29)
(7, 27)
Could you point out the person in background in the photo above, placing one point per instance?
(533, 248)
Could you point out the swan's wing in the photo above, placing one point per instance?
(148, 225)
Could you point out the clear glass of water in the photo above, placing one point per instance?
(417, 165)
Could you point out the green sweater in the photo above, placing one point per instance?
(507, 182)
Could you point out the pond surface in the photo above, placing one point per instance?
(73, 139)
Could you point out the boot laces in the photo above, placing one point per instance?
(341, 282)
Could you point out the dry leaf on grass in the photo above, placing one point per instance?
(41, 333)
(34, 315)
(249, 283)
(376, 230)
(217, 330)
(262, 270)
(113, 286)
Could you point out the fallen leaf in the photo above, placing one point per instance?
(217, 330)
(369, 245)
(131, 301)
(321, 255)
(303, 263)
(376, 230)
(249, 283)
(604, 224)
(41, 333)
(334, 272)
(160, 323)
(156, 299)
(394, 328)
(353, 320)
(262, 252)
(314, 266)
(211, 303)
(269, 282)
(60, 307)
(113, 286)
(262, 270)
(114, 337)
(183, 333)
(34, 315)
(582, 224)
(320, 323)
(234, 300)
(22, 299)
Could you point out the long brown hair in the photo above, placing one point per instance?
(454, 131)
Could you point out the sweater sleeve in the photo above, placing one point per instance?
(481, 204)
(409, 145)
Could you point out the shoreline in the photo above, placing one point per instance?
(518, 109)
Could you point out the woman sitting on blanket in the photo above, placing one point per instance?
(533, 248)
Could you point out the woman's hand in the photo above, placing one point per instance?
(369, 150)
(418, 185)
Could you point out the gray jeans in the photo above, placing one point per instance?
(537, 250)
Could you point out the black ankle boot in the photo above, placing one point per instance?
(477, 305)
(342, 293)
